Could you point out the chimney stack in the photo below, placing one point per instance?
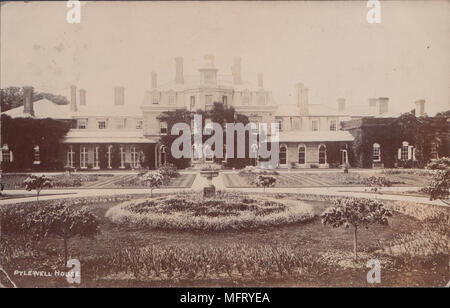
(236, 70)
(154, 80)
(302, 99)
(420, 108)
(260, 80)
(119, 96)
(73, 98)
(341, 104)
(28, 106)
(179, 79)
(82, 97)
(383, 105)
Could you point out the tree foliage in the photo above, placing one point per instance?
(12, 97)
(439, 185)
(265, 181)
(152, 180)
(355, 212)
(37, 182)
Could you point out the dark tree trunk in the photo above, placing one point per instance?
(355, 242)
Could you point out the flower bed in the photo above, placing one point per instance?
(193, 213)
(59, 181)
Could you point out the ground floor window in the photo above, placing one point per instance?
(70, 157)
(96, 158)
(163, 155)
(376, 154)
(122, 157)
(37, 155)
(434, 151)
(6, 154)
(322, 154)
(109, 156)
(134, 157)
(302, 155)
(83, 157)
(283, 155)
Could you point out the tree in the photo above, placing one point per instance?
(64, 221)
(37, 182)
(12, 97)
(265, 181)
(152, 180)
(355, 212)
(439, 186)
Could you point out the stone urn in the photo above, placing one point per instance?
(209, 174)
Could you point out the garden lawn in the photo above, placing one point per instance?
(310, 236)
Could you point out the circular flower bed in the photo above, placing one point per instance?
(192, 213)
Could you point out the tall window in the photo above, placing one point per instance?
(163, 128)
(246, 97)
(405, 151)
(139, 124)
(302, 155)
(82, 123)
(434, 151)
(122, 157)
(70, 157)
(225, 100)
(283, 155)
(171, 98)
(37, 155)
(101, 124)
(96, 158)
(314, 125)
(322, 154)
(83, 157)
(208, 102)
(6, 154)
(134, 157)
(376, 154)
(163, 155)
(333, 125)
(192, 101)
(120, 123)
(109, 154)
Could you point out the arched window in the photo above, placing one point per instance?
(163, 155)
(37, 155)
(6, 154)
(322, 154)
(434, 151)
(404, 151)
(376, 153)
(302, 155)
(283, 155)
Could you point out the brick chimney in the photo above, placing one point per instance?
(179, 78)
(302, 99)
(260, 80)
(28, 105)
(82, 97)
(154, 80)
(420, 107)
(73, 98)
(119, 96)
(236, 70)
(383, 105)
(341, 104)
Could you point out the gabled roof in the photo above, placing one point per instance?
(43, 108)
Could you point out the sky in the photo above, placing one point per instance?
(328, 46)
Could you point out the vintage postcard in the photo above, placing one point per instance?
(189, 144)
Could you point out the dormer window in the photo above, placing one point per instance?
(101, 124)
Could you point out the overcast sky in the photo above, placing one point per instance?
(329, 46)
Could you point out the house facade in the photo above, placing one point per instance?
(126, 135)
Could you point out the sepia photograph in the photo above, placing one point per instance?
(222, 149)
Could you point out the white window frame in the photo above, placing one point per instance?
(404, 151)
(134, 157)
(37, 155)
(122, 154)
(376, 152)
(99, 122)
(192, 101)
(80, 123)
(70, 157)
(139, 124)
(163, 125)
(6, 153)
(96, 158)
(83, 157)
(333, 125)
(109, 154)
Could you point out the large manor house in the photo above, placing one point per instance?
(311, 135)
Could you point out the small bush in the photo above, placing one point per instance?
(439, 164)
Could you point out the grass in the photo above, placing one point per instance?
(310, 237)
